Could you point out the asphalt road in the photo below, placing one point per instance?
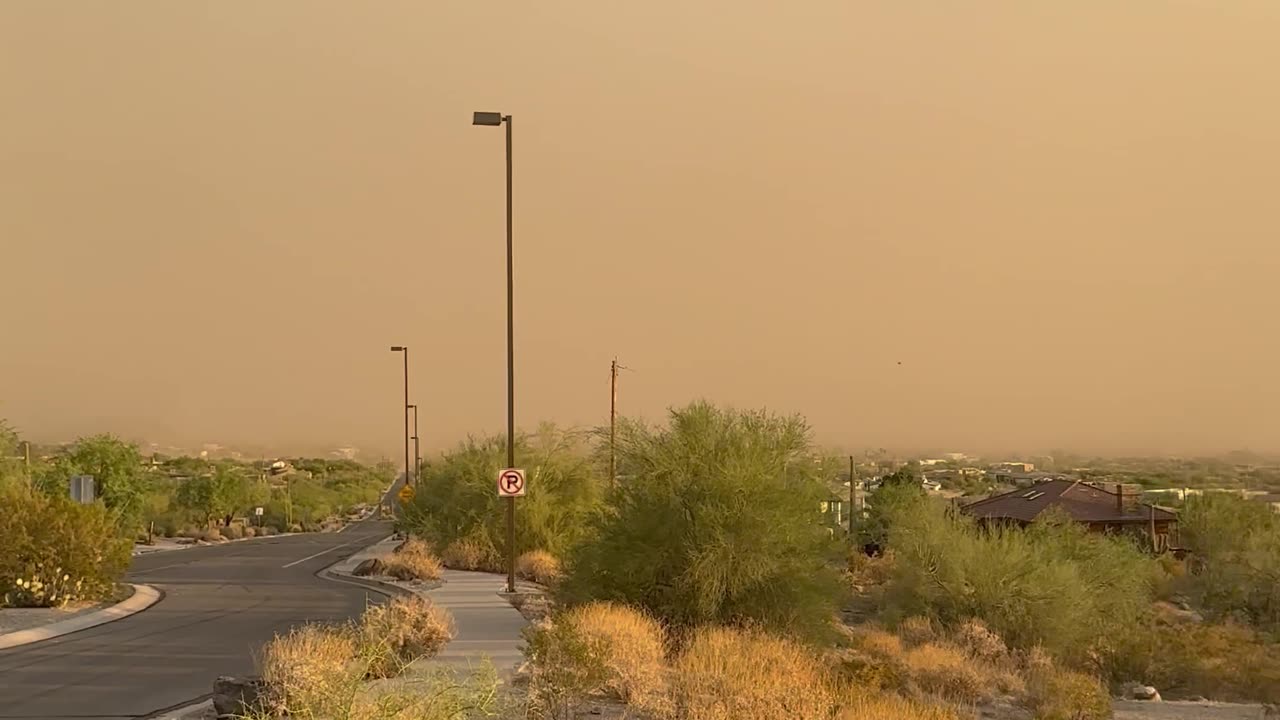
(221, 603)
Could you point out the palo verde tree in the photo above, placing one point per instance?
(718, 521)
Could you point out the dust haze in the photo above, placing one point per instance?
(952, 225)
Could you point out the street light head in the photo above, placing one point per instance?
(398, 348)
(487, 118)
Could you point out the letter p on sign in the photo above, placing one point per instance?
(511, 483)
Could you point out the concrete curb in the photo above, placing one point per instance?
(144, 596)
(187, 712)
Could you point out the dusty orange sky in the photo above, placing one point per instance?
(1061, 218)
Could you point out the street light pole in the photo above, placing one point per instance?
(417, 452)
(408, 480)
(493, 119)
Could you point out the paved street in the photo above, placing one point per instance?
(220, 604)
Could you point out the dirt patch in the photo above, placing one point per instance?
(1135, 710)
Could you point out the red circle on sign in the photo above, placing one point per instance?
(511, 482)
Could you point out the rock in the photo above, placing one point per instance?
(238, 696)
(1144, 692)
(372, 566)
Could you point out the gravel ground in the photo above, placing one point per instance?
(1134, 710)
(15, 619)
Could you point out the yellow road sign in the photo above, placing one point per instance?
(406, 494)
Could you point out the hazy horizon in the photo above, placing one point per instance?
(981, 227)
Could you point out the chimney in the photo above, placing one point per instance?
(1128, 498)
(1119, 498)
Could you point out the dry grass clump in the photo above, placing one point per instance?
(631, 646)
(861, 706)
(404, 630)
(539, 566)
(729, 674)
(212, 535)
(918, 630)
(413, 561)
(946, 672)
(1068, 695)
(308, 671)
(980, 642)
(469, 555)
(233, 532)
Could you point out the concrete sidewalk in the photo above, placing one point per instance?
(487, 625)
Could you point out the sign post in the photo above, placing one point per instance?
(82, 489)
(511, 485)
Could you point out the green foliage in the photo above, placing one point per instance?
(56, 551)
(1077, 595)
(717, 521)
(213, 495)
(1066, 695)
(1236, 557)
(456, 498)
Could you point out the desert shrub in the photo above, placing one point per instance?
(917, 630)
(1227, 662)
(597, 648)
(268, 531)
(1054, 585)
(978, 641)
(456, 500)
(212, 535)
(1236, 557)
(308, 672)
(250, 532)
(56, 551)
(404, 630)
(860, 705)
(413, 561)
(716, 523)
(1068, 695)
(233, 532)
(873, 660)
(471, 554)
(945, 672)
(726, 673)
(539, 566)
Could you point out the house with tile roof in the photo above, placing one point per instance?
(1108, 510)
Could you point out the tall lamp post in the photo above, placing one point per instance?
(493, 119)
(417, 452)
(404, 349)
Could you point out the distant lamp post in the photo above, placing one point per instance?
(417, 452)
(493, 119)
(404, 349)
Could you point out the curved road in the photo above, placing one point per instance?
(220, 604)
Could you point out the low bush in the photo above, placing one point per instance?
(1068, 695)
(858, 705)
(979, 642)
(56, 552)
(212, 535)
(394, 635)
(233, 532)
(727, 673)
(631, 648)
(917, 630)
(538, 566)
(471, 554)
(1226, 662)
(308, 672)
(413, 561)
(946, 673)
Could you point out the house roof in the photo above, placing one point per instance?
(1083, 502)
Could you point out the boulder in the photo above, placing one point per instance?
(372, 566)
(238, 696)
(1144, 692)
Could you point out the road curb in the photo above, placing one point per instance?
(144, 596)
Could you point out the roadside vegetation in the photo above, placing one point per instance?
(54, 552)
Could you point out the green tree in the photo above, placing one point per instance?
(215, 494)
(1236, 556)
(457, 496)
(718, 521)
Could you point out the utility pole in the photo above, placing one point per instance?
(417, 452)
(26, 458)
(613, 422)
(852, 495)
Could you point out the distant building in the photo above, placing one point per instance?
(1012, 467)
(1102, 510)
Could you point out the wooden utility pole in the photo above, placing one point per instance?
(852, 492)
(26, 458)
(613, 422)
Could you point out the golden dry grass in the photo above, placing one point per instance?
(917, 630)
(728, 674)
(308, 671)
(861, 706)
(630, 646)
(980, 642)
(404, 630)
(946, 672)
(539, 566)
(413, 561)
(1067, 695)
(469, 555)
